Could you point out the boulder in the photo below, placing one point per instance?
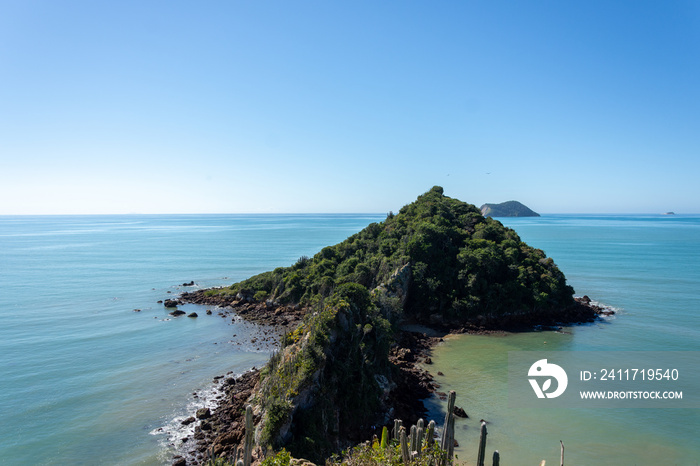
(228, 438)
(405, 354)
(459, 412)
(177, 312)
(170, 303)
(203, 413)
(192, 314)
(300, 462)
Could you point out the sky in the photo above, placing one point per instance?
(348, 106)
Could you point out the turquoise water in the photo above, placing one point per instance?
(648, 269)
(86, 380)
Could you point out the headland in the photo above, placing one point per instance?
(348, 361)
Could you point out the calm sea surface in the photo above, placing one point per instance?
(647, 268)
(86, 380)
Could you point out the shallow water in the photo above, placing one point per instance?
(647, 268)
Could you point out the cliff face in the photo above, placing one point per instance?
(331, 380)
(507, 209)
(438, 261)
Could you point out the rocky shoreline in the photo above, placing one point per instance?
(288, 317)
(264, 313)
(220, 431)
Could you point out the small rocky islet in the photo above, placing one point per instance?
(508, 209)
(347, 364)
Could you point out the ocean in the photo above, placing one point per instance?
(645, 268)
(85, 378)
(95, 371)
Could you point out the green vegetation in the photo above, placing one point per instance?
(438, 260)
(374, 454)
(323, 382)
(364, 454)
(462, 266)
(282, 458)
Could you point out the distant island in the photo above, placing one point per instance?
(347, 362)
(507, 209)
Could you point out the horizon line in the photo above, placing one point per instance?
(668, 214)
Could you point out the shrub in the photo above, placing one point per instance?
(282, 458)
(372, 454)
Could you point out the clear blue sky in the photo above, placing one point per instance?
(348, 106)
